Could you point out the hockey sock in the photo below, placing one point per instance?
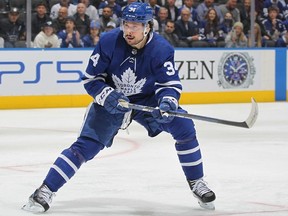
(69, 161)
(65, 166)
(189, 155)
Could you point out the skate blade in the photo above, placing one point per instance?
(208, 206)
(33, 207)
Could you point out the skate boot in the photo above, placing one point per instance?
(39, 201)
(204, 195)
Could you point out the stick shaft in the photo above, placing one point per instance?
(248, 123)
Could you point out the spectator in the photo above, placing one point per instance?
(226, 26)
(153, 4)
(259, 4)
(59, 22)
(110, 26)
(46, 38)
(128, 2)
(273, 26)
(13, 30)
(236, 37)
(162, 3)
(257, 37)
(96, 4)
(155, 26)
(75, 2)
(203, 8)
(179, 4)
(91, 11)
(282, 41)
(210, 27)
(189, 4)
(162, 19)
(90, 40)
(70, 37)
(82, 20)
(106, 17)
(231, 6)
(173, 11)
(187, 31)
(280, 4)
(116, 8)
(63, 3)
(264, 35)
(39, 18)
(245, 14)
(170, 35)
(122, 3)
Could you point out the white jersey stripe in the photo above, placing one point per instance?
(68, 161)
(96, 78)
(177, 89)
(190, 151)
(88, 75)
(169, 83)
(60, 172)
(192, 163)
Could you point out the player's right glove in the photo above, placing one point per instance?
(167, 104)
(108, 98)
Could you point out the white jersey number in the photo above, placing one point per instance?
(170, 69)
(95, 58)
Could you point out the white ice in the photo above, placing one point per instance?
(138, 175)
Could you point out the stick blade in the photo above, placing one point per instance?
(253, 114)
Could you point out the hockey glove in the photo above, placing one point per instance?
(108, 98)
(166, 104)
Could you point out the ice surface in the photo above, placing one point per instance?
(138, 175)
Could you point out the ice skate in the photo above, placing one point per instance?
(39, 201)
(204, 195)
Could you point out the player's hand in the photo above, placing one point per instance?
(166, 104)
(108, 98)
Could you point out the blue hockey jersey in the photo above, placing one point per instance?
(139, 74)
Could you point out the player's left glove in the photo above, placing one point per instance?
(167, 104)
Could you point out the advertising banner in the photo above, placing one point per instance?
(218, 70)
(207, 75)
(38, 72)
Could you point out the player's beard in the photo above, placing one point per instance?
(130, 39)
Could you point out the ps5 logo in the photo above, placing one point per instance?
(12, 68)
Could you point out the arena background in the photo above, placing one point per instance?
(38, 78)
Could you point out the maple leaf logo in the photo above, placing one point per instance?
(128, 83)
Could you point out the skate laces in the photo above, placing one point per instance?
(200, 188)
(45, 194)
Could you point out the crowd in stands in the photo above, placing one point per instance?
(184, 23)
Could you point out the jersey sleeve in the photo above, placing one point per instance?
(95, 75)
(167, 78)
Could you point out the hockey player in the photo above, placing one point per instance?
(133, 64)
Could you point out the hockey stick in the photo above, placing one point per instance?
(248, 123)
